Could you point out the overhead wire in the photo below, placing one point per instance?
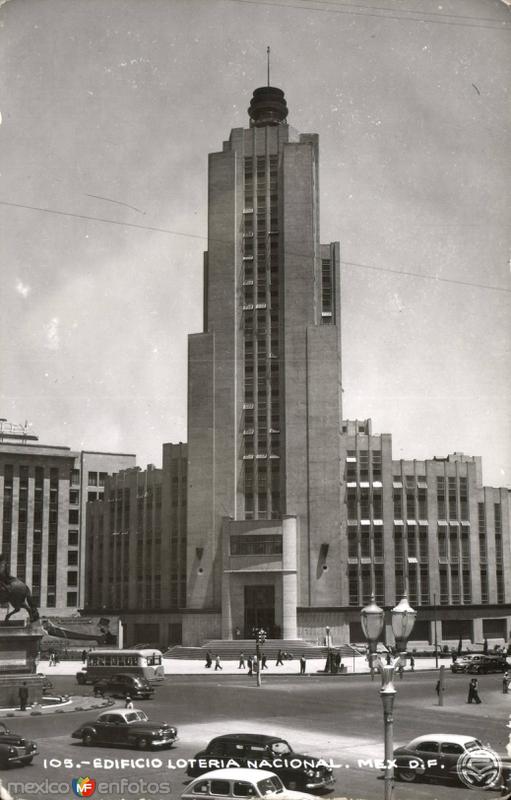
(202, 237)
(384, 15)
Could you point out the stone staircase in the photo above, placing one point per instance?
(230, 649)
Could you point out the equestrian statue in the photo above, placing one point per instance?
(16, 593)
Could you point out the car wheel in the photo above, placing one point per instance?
(88, 738)
(407, 775)
(143, 743)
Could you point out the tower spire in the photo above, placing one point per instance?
(268, 62)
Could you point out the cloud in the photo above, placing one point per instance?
(52, 334)
(22, 288)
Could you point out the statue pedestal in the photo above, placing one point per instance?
(19, 651)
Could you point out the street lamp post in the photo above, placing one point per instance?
(403, 620)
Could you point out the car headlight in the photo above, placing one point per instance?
(310, 772)
(12, 751)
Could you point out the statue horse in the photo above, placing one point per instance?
(18, 595)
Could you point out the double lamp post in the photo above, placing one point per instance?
(373, 621)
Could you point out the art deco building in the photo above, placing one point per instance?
(136, 549)
(264, 394)
(294, 515)
(43, 493)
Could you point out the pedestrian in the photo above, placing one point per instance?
(505, 682)
(84, 656)
(338, 661)
(412, 663)
(437, 688)
(279, 662)
(241, 664)
(250, 665)
(237, 633)
(51, 658)
(209, 660)
(454, 657)
(473, 691)
(129, 702)
(264, 665)
(23, 696)
(99, 691)
(303, 664)
(217, 663)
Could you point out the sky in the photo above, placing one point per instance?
(109, 110)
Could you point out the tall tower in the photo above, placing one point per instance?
(264, 389)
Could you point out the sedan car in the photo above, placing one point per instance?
(126, 728)
(124, 685)
(14, 749)
(488, 664)
(238, 783)
(267, 752)
(433, 755)
(463, 663)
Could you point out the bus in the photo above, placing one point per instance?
(146, 663)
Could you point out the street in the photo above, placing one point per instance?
(338, 718)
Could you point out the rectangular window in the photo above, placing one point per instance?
(72, 600)
(442, 543)
(352, 542)
(398, 504)
(464, 510)
(377, 466)
(454, 547)
(424, 579)
(440, 497)
(377, 504)
(378, 543)
(264, 544)
(353, 585)
(410, 504)
(453, 509)
(484, 585)
(352, 503)
(72, 558)
(379, 585)
(423, 503)
(412, 541)
(73, 516)
(365, 542)
(72, 579)
(363, 458)
(455, 586)
(75, 477)
(398, 544)
(72, 538)
(423, 544)
(92, 479)
(444, 586)
(365, 504)
(467, 591)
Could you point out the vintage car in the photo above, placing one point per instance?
(126, 728)
(239, 783)
(124, 685)
(433, 756)
(14, 749)
(487, 664)
(266, 752)
(464, 662)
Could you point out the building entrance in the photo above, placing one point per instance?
(260, 610)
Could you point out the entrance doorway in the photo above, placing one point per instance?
(260, 610)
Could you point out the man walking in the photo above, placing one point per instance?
(217, 663)
(505, 682)
(264, 665)
(473, 692)
(412, 663)
(303, 664)
(250, 665)
(241, 664)
(279, 662)
(208, 660)
(23, 696)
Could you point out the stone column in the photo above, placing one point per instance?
(289, 578)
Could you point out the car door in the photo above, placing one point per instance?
(450, 753)
(118, 729)
(429, 751)
(103, 728)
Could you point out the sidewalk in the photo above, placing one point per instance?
(178, 666)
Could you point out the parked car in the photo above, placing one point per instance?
(250, 749)
(239, 783)
(126, 728)
(464, 662)
(124, 685)
(14, 749)
(434, 755)
(488, 664)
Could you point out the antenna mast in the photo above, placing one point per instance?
(268, 60)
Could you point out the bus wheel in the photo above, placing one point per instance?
(143, 743)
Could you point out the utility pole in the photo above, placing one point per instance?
(436, 634)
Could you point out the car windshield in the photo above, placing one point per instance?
(270, 786)
(136, 716)
(474, 744)
(280, 748)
